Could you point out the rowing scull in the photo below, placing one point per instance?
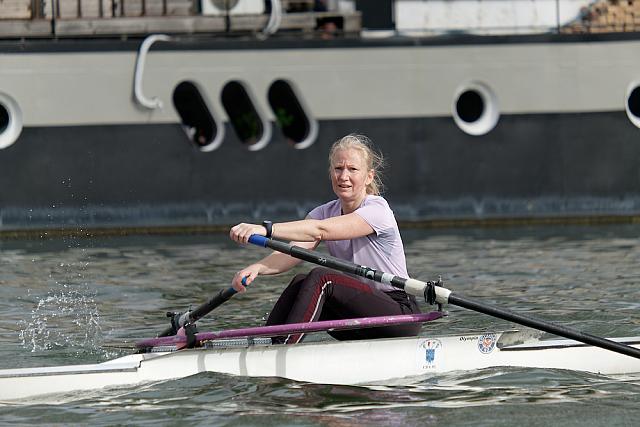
(366, 362)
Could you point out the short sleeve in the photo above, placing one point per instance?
(316, 213)
(326, 210)
(377, 213)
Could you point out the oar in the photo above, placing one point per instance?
(178, 320)
(437, 294)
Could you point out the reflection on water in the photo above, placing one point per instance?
(71, 301)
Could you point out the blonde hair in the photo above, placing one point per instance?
(373, 159)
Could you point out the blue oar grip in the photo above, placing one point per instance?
(233, 291)
(258, 240)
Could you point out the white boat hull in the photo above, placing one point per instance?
(345, 363)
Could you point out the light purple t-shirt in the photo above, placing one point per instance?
(382, 250)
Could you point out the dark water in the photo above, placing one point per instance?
(70, 301)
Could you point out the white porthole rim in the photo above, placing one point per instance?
(490, 114)
(312, 136)
(14, 126)
(635, 119)
(219, 137)
(266, 124)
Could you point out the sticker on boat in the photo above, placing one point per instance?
(427, 355)
(486, 343)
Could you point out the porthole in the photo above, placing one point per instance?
(198, 122)
(10, 120)
(247, 122)
(4, 118)
(475, 108)
(632, 105)
(291, 115)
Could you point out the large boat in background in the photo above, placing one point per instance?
(149, 113)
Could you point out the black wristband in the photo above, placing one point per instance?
(268, 225)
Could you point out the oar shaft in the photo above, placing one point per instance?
(442, 295)
(223, 296)
(180, 319)
(462, 301)
(339, 264)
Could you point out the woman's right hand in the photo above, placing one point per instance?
(248, 274)
(240, 233)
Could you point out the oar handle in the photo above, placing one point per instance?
(433, 293)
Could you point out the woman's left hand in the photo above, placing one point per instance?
(241, 232)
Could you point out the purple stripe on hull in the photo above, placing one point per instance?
(277, 330)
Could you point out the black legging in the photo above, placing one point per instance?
(324, 294)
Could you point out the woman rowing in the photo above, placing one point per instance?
(359, 227)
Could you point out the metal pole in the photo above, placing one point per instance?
(54, 10)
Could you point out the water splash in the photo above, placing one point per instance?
(68, 319)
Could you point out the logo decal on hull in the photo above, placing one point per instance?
(428, 353)
(486, 343)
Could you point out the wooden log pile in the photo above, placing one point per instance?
(607, 16)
